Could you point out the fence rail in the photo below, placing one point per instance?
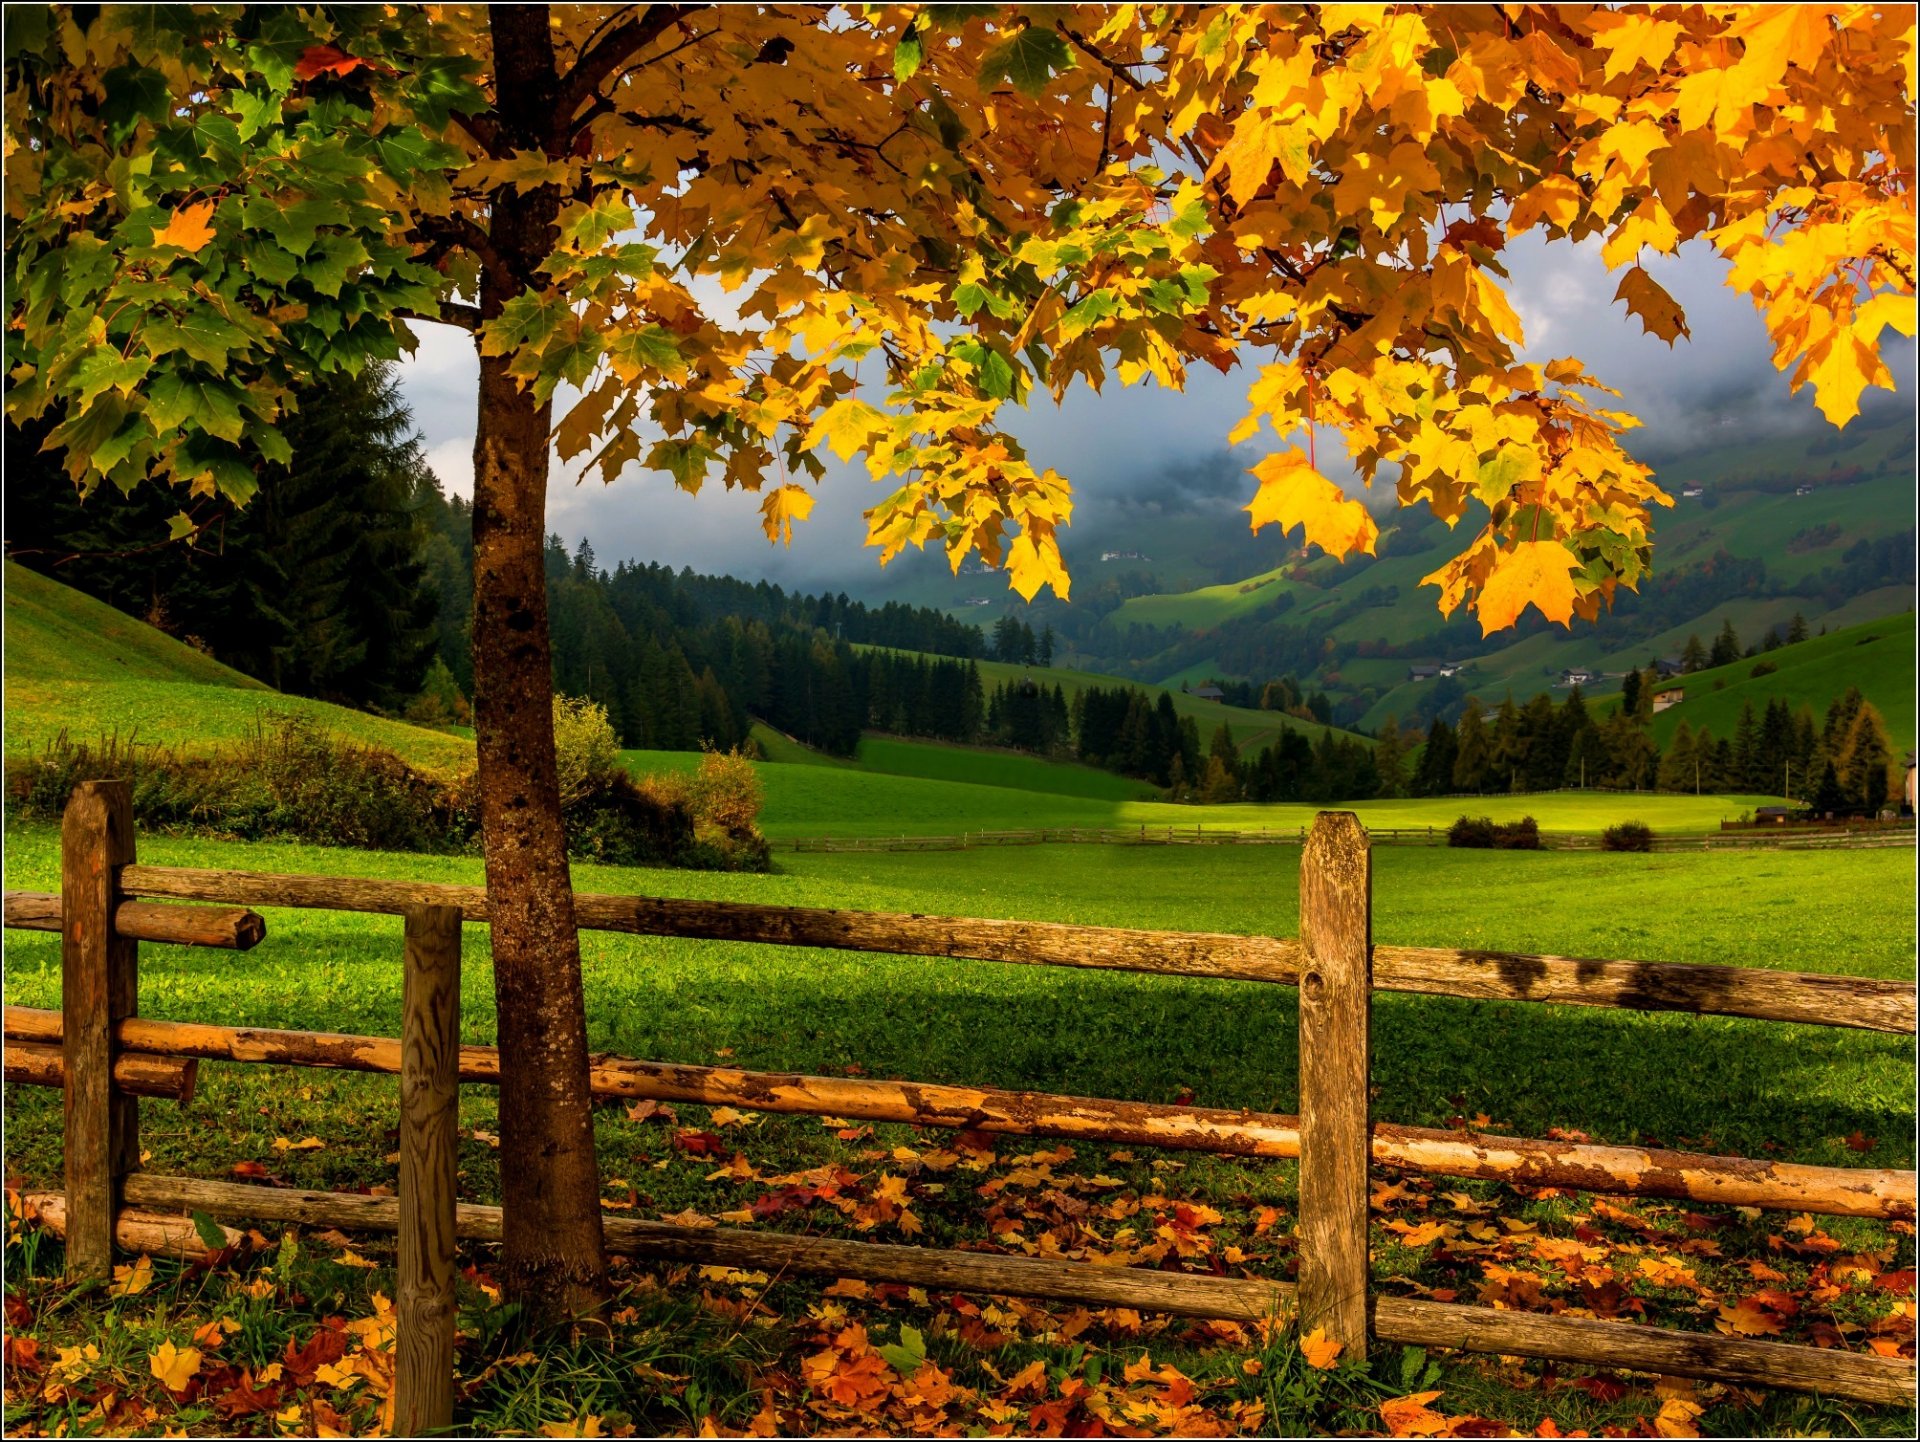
(1778, 839)
(102, 1042)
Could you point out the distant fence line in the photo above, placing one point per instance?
(1782, 839)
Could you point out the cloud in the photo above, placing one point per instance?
(1135, 453)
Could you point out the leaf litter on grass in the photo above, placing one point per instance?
(292, 1338)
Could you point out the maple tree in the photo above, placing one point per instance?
(711, 241)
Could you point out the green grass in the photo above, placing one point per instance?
(1794, 1094)
(78, 665)
(1878, 657)
(985, 766)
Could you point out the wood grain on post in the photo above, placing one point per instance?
(1882, 1192)
(429, 1123)
(1336, 904)
(1858, 1376)
(99, 980)
(141, 1074)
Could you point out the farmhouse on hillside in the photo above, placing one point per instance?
(1209, 692)
(1669, 666)
(1671, 696)
(1578, 676)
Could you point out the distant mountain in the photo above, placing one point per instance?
(1819, 526)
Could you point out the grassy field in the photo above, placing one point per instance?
(1795, 1094)
(78, 665)
(1878, 657)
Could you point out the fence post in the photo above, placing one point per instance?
(99, 984)
(1336, 927)
(429, 1119)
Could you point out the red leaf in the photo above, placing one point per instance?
(1860, 1142)
(318, 60)
(328, 1344)
(250, 1169)
(698, 1144)
(1895, 1281)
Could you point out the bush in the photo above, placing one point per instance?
(1763, 668)
(1471, 831)
(585, 747)
(1521, 835)
(294, 780)
(1627, 836)
(1482, 833)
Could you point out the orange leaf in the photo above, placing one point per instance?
(1535, 573)
(1659, 312)
(318, 60)
(1319, 1349)
(1411, 1416)
(1293, 493)
(189, 228)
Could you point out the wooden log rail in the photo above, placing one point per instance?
(137, 1073)
(1862, 1377)
(1816, 998)
(1631, 1171)
(231, 927)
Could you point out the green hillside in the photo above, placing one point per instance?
(1251, 728)
(77, 664)
(1877, 657)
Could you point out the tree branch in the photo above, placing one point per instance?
(452, 312)
(451, 231)
(612, 51)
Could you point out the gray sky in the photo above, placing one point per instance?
(1143, 443)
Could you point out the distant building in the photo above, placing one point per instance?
(1669, 666)
(1908, 803)
(1209, 692)
(1803, 490)
(1672, 696)
(1578, 677)
(1124, 556)
(1689, 492)
(976, 601)
(1422, 673)
(1773, 815)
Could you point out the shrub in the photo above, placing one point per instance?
(1521, 835)
(585, 747)
(1471, 831)
(1484, 834)
(1627, 836)
(726, 792)
(1763, 668)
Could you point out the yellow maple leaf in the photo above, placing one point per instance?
(174, 1366)
(579, 1427)
(189, 228)
(1677, 1418)
(1841, 367)
(1411, 1416)
(132, 1280)
(1293, 493)
(1537, 573)
(305, 1144)
(1319, 1349)
(1659, 312)
(782, 508)
(1637, 39)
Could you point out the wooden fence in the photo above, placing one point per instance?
(107, 1055)
(1200, 834)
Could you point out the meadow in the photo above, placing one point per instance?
(1802, 1094)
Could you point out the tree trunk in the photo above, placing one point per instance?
(554, 1263)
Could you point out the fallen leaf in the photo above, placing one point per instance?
(1411, 1416)
(1319, 1349)
(174, 1366)
(305, 1144)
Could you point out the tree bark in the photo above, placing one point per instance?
(554, 1259)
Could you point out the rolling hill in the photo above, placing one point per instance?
(78, 665)
(1877, 657)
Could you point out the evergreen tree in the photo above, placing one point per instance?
(1471, 759)
(1726, 645)
(1434, 775)
(1694, 656)
(1797, 631)
(1829, 796)
(1746, 750)
(1046, 647)
(1390, 760)
(1507, 749)
(1864, 761)
(1680, 767)
(1630, 692)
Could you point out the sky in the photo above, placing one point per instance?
(1145, 445)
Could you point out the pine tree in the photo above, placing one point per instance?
(1680, 767)
(1046, 647)
(1797, 632)
(1726, 646)
(1746, 750)
(1390, 760)
(1434, 775)
(1694, 656)
(1470, 762)
(1864, 761)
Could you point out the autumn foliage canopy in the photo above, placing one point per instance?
(870, 230)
